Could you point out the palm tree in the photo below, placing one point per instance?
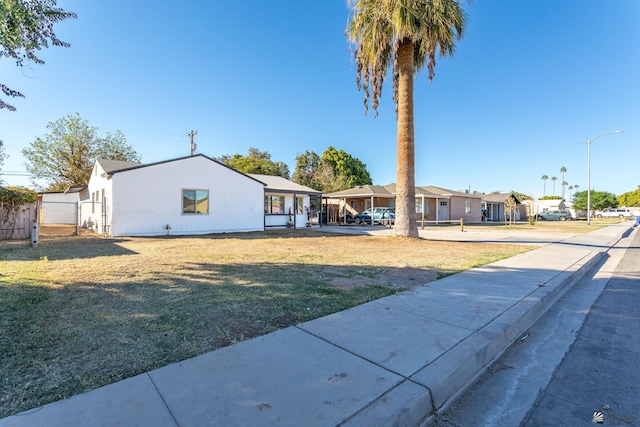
(564, 184)
(404, 35)
(570, 188)
(544, 188)
(553, 178)
(562, 171)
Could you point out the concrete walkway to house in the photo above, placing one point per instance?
(393, 361)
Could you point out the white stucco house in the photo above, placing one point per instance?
(187, 195)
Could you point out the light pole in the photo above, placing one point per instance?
(589, 141)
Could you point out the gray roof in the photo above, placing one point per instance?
(278, 183)
(114, 165)
(389, 191)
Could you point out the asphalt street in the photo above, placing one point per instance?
(577, 365)
(600, 376)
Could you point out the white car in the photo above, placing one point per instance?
(614, 213)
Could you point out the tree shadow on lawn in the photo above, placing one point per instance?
(63, 248)
(61, 339)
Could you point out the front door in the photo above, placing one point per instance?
(443, 210)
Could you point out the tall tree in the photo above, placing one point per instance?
(65, 156)
(562, 171)
(544, 187)
(554, 179)
(404, 35)
(345, 165)
(26, 26)
(570, 188)
(335, 170)
(256, 161)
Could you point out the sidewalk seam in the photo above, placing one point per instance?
(163, 399)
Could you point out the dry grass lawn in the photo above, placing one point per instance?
(81, 312)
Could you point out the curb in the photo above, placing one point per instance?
(419, 398)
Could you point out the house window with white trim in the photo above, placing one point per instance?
(419, 206)
(195, 202)
(467, 206)
(274, 204)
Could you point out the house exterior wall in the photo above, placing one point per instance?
(282, 220)
(144, 201)
(458, 209)
(94, 207)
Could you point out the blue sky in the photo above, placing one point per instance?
(530, 83)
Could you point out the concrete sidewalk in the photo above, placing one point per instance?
(393, 361)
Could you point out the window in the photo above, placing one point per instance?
(467, 206)
(299, 205)
(419, 206)
(195, 202)
(274, 204)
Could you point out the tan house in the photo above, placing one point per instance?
(433, 204)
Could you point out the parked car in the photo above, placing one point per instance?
(554, 216)
(380, 215)
(614, 213)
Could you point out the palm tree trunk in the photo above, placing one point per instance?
(405, 222)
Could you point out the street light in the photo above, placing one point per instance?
(589, 141)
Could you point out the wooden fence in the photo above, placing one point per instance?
(16, 224)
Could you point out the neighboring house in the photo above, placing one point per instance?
(433, 204)
(549, 205)
(60, 207)
(286, 204)
(187, 195)
(494, 205)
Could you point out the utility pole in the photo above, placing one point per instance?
(193, 144)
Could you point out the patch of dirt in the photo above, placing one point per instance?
(398, 278)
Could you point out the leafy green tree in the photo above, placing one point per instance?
(344, 165)
(599, 200)
(26, 26)
(65, 156)
(404, 35)
(630, 198)
(335, 170)
(256, 161)
(307, 170)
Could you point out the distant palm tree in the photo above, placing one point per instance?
(544, 188)
(404, 35)
(564, 184)
(553, 178)
(570, 188)
(562, 171)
